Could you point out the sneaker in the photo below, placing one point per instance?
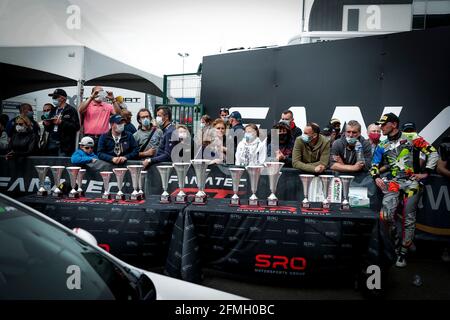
(401, 261)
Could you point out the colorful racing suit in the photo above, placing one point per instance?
(401, 155)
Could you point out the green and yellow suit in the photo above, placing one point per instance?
(401, 154)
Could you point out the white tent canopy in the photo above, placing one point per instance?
(77, 63)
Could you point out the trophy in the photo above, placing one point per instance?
(57, 172)
(142, 184)
(164, 172)
(181, 168)
(236, 174)
(254, 173)
(200, 168)
(42, 172)
(80, 177)
(135, 171)
(73, 174)
(346, 180)
(326, 179)
(306, 181)
(120, 174)
(106, 176)
(273, 170)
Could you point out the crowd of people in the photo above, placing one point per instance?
(399, 164)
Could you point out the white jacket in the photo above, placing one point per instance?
(252, 153)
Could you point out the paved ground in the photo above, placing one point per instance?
(426, 263)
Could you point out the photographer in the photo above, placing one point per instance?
(443, 165)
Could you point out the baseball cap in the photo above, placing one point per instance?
(335, 120)
(409, 126)
(58, 92)
(236, 115)
(87, 141)
(388, 117)
(116, 118)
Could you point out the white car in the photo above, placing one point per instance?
(42, 259)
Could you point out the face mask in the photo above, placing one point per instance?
(375, 136)
(146, 122)
(351, 141)
(202, 125)
(305, 138)
(30, 115)
(249, 136)
(20, 128)
(46, 115)
(286, 122)
(120, 128)
(56, 102)
(159, 121)
(410, 135)
(225, 119)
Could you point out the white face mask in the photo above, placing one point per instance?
(20, 128)
(249, 137)
(120, 128)
(159, 121)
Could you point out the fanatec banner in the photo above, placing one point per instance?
(405, 73)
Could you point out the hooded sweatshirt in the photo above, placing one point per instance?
(306, 157)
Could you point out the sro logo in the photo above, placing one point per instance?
(274, 262)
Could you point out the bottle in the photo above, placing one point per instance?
(47, 184)
(359, 152)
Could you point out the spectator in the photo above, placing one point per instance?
(286, 144)
(374, 132)
(24, 140)
(311, 151)
(443, 165)
(181, 138)
(204, 138)
(117, 145)
(333, 130)
(85, 154)
(120, 102)
(126, 114)
(62, 125)
(148, 136)
(224, 114)
(96, 113)
(251, 150)
(216, 150)
(351, 153)
(47, 109)
(236, 121)
(25, 110)
(164, 121)
(287, 117)
(3, 136)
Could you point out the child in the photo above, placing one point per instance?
(85, 154)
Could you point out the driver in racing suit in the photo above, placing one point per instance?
(398, 153)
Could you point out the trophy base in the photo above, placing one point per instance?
(272, 202)
(136, 197)
(181, 199)
(120, 197)
(306, 205)
(81, 193)
(345, 207)
(235, 202)
(107, 196)
(326, 205)
(199, 200)
(42, 193)
(74, 195)
(164, 199)
(253, 202)
(57, 194)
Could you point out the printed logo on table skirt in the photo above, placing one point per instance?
(280, 264)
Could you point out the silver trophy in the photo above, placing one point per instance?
(182, 169)
(273, 170)
(164, 172)
(142, 184)
(80, 177)
(120, 174)
(200, 168)
(57, 173)
(73, 174)
(135, 172)
(346, 180)
(254, 173)
(326, 179)
(306, 181)
(106, 176)
(42, 172)
(236, 174)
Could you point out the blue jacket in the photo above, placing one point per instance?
(80, 157)
(105, 150)
(166, 146)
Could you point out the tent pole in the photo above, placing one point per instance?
(80, 92)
